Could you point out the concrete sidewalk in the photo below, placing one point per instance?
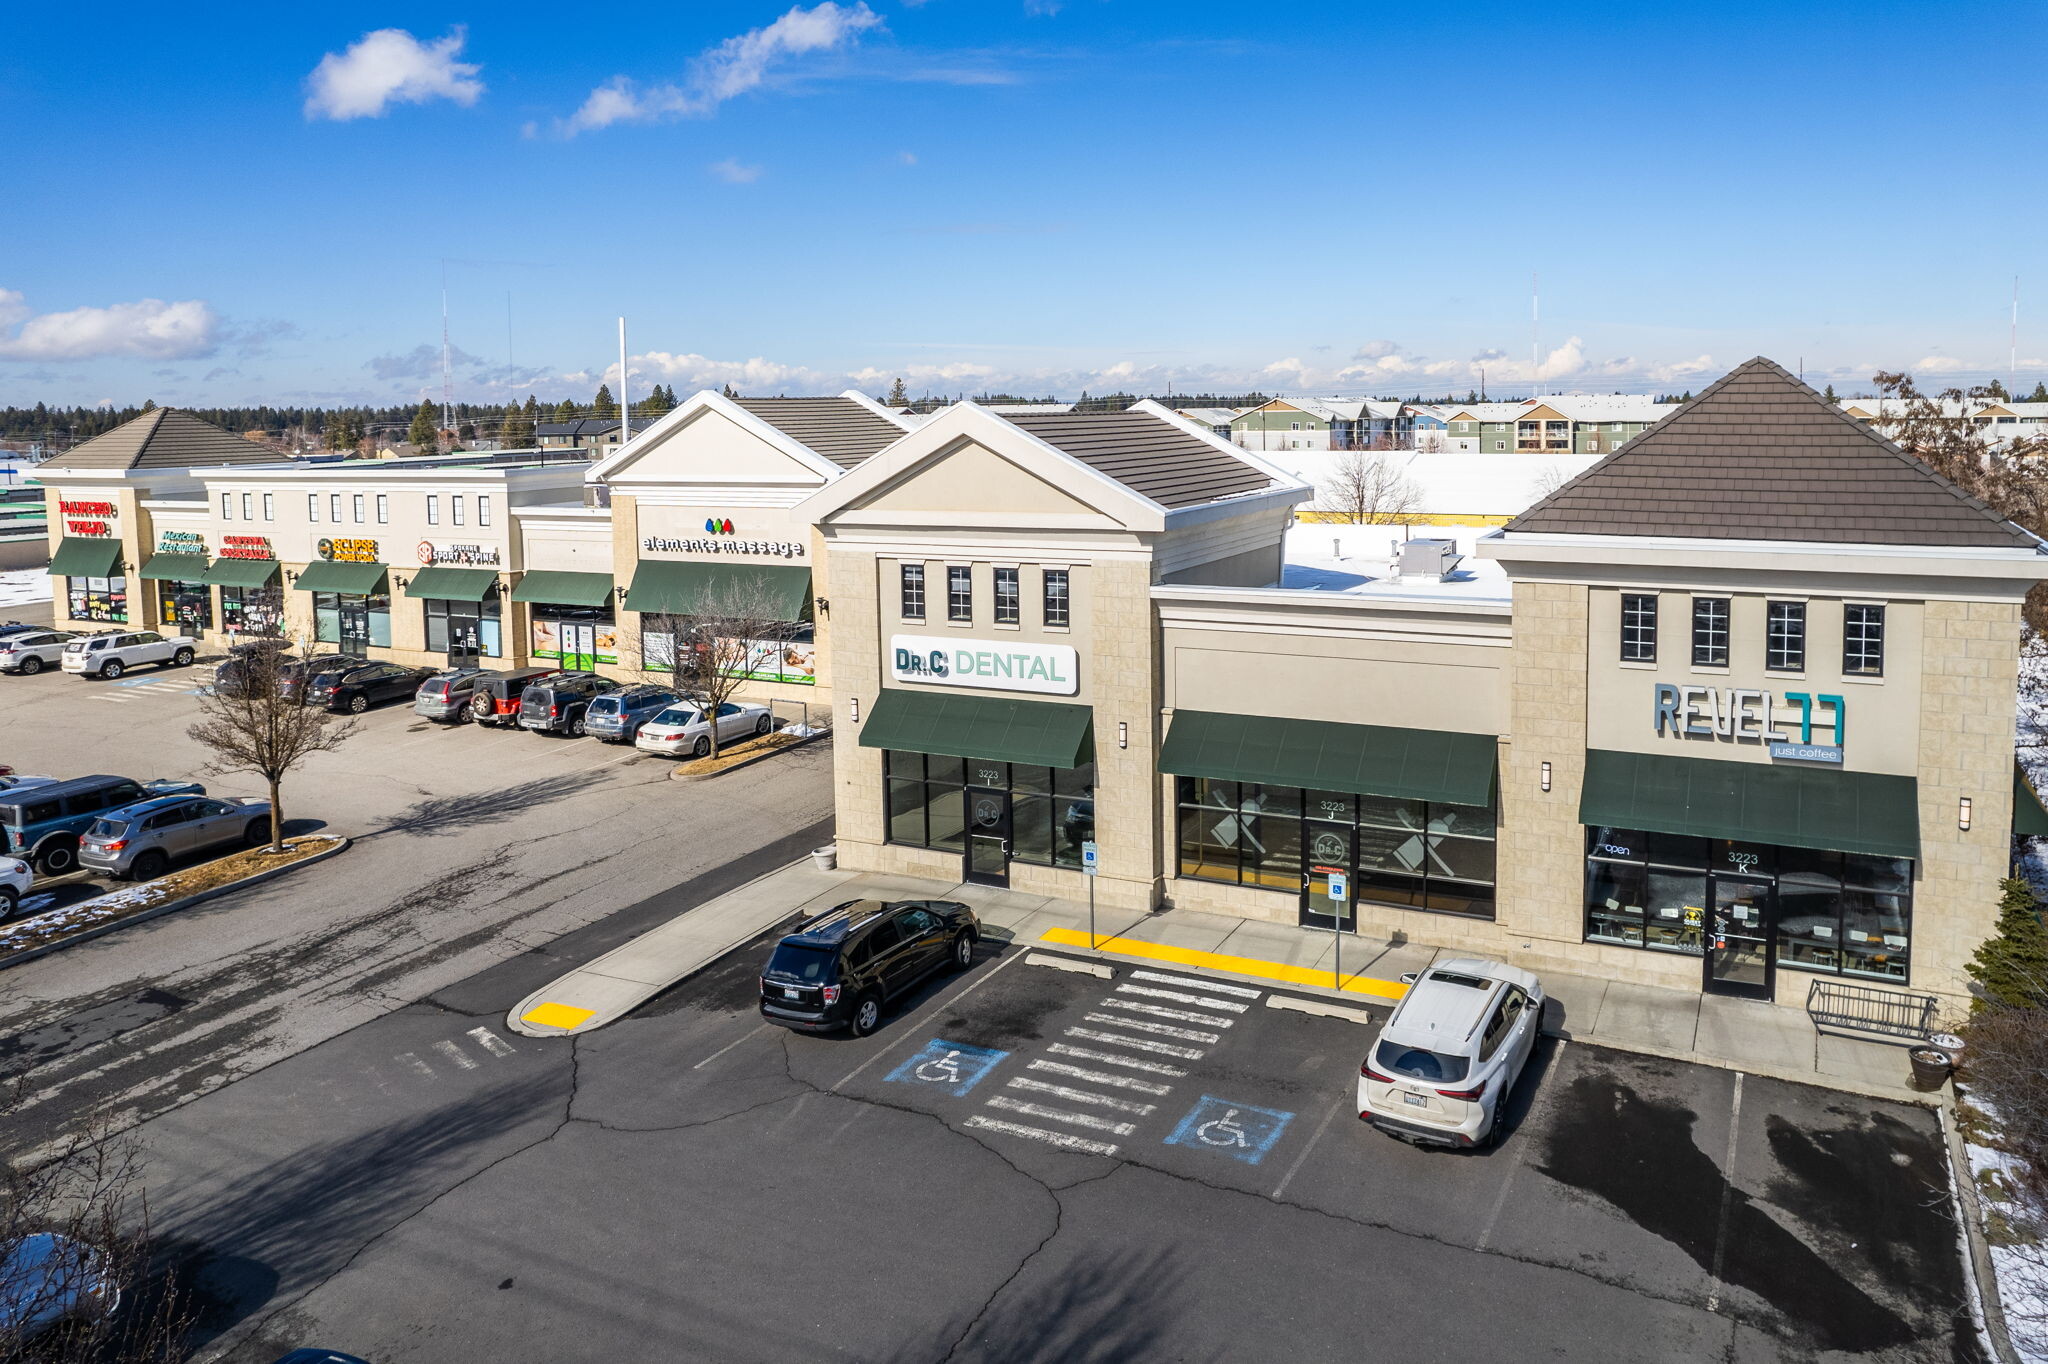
(1746, 1035)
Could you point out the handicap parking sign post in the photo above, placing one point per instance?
(953, 1066)
(1223, 1127)
(1088, 869)
(1339, 890)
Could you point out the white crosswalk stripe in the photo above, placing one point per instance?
(1229, 1006)
(1160, 1029)
(455, 1054)
(1079, 1096)
(1112, 1059)
(1031, 1110)
(1159, 1011)
(491, 1042)
(1098, 1077)
(1140, 1043)
(1065, 1140)
(1212, 986)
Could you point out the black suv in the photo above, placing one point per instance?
(840, 968)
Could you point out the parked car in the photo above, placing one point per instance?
(496, 698)
(682, 728)
(447, 694)
(356, 688)
(842, 967)
(15, 880)
(616, 717)
(291, 678)
(139, 842)
(30, 651)
(43, 823)
(231, 672)
(15, 627)
(9, 781)
(557, 705)
(47, 1279)
(115, 652)
(1445, 1062)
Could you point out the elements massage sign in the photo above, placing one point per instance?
(1750, 715)
(998, 665)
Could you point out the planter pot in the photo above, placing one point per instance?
(826, 858)
(1931, 1067)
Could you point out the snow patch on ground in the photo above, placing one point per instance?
(20, 586)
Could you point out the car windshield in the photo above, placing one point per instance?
(604, 705)
(1418, 1063)
(796, 961)
(676, 715)
(108, 828)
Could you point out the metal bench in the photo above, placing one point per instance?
(1867, 1009)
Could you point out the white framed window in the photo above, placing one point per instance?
(1863, 641)
(1500, 445)
(383, 508)
(1785, 637)
(433, 509)
(455, 514)
(1294, 426)
(483, 509)
(269, 508)
(312, 506)
(1638, 628)
(334, 507)
(248, 513)
(1710, 632)
(226, 509)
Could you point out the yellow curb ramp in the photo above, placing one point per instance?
(1255, 967)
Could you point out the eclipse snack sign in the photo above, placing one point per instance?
(997, 665)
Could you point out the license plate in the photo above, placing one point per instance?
(1415, 1099)
(792, 994)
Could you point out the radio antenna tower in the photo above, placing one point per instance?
(447, 372)
(1535, 350)
(2012, 340)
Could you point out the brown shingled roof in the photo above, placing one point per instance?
(840, 429)
(1152, 458)
(165, 438)
(1760, 456)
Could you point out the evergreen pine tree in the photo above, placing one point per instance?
(565, 411)
(2011, 966)
(1830, 394)
(532, 409)
(2040, 393)
(730, 392)
(604, 405)
(149, 404)
(424, 432)
(898, 397)
(1996, 390)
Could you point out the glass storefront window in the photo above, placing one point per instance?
(1403, 852)
(1052, 810)
(1835, 913)
(185, 606)
(453, 622)
(252, 610)
(101, 599)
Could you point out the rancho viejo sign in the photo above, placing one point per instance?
(1753, 715)
(998, 665)
(87, 518)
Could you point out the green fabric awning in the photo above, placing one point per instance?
(2027, 815)
(359, 580)
(566, 589)
(1319, 755)
(780, 592)
(242, 572)
(1799, 807)
(1042, 733)
(182, 568)
(452, 584)
(79, 557)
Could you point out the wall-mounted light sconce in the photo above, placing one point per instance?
(1963, 814)
(1123, 734)
(853, 708)
(824, 606)
(1544, 779)
(621, 591)
(290, 576)
(399, 580)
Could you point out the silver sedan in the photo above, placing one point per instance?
(682, 729)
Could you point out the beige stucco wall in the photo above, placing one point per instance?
(972, 479)
(1359, 679)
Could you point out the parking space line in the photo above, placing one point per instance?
(1139, 1043)
(1302, 1159)
(1065, 1140)
(1500, 1197)
(1031, 1110)
(1100, 1077)
(730, 1045)
(851, 1075)
(1182, 997)
(1177, 1015)
(1162, 1029)
(1079, 1096)
(1727, 1197)
(1189, 982)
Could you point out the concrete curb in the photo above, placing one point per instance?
(168, 907)
(1989, 1309)
(761, 757)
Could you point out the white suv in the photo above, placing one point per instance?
(114, 653)
(1446, 1061)
(15, 879)
(34, 651)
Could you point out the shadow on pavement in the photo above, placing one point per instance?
(1101, 1309)
(450, 814)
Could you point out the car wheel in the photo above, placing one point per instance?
(182, 659)
(258, 833)
(1498, 1128)
(480, 709)
(31, 665)
(867, 1015)
(9, 902)
(111, 669)
(763, 725)
(58, 858)
(576, 730)
(357, 704)
(963, 951)
(702, 748)
(147, 866)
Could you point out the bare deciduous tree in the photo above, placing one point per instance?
(1368, 488)
(250, 725)
(729, 635)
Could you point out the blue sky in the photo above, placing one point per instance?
(257, 204)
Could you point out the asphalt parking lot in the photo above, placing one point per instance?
(691, 1183)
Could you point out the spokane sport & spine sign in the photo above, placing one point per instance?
(992, 664)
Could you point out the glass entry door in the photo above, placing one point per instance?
(354, 616)
(579, 646)
(1742, 922)
(1330, 852)
(988, 836)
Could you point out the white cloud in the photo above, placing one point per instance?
(734, 67)
(386, 67)
(733, 172)
(1941, 364)
(906, 158)
(149, 327)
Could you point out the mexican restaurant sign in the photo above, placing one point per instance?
(998, 665)
(180, 542)
(348, 551)
(87, 518)
(1749, 715)
(246, 547)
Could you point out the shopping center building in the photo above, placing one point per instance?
(1731, 711)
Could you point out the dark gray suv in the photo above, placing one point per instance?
(556, 705)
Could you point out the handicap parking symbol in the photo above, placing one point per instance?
(1241, 1131)
(953, 1066)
